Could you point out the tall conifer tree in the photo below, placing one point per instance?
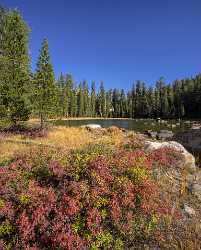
(14, 66)
(44, 95)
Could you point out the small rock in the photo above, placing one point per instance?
(93, 126)
(196, 127)
(165, 134)
(189, 210)
(166, 131)
(196, 190)
(163, 121)
(151, 133)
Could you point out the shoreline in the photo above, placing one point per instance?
(79, 118)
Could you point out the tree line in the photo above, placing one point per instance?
(25, 94)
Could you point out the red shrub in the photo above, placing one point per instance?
(167, 157)
(65, 213)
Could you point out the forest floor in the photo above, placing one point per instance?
(174, 228)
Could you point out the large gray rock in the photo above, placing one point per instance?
(188, 158)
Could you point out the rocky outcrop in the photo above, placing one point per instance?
(188, 159)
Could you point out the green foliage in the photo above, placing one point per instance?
(138, 174)
(103, 241)
(24, 199)
(6, 228)
(101, 202)
(93, 99)
(78, 225)
(2, 203)
(119, 245)
(44, 86)
(14, 68)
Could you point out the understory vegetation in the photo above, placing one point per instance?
(95, 192)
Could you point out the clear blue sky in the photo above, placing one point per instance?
(117, 41)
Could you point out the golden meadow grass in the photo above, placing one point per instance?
(59, 137)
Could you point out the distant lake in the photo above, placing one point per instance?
(139, 125)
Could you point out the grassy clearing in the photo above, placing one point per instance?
(57, 137)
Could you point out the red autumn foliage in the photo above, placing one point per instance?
(69, 213)
(167, 157)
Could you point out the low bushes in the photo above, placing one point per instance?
(94, 198)
(167, 157)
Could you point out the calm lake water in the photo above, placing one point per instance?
(139, 125)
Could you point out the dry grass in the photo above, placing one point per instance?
(59, 137)
(8, 150)
(68, 138)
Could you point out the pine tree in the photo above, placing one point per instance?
(3, 13)
(74, 103)
(72, 99)
(102, 100)
(157, 103)
(44, 95)
(144, 102)
(170, 98)
(68, 94)
(80, 101)
(93, 99)
(2, 26)
(123, 106)
(138, 99)
(150, 102)
(62, 94)
(129, 104)
(160, 84)
(165, 109)
(86, 99)
(109, 103)
(14, 67)
(134, 101)
(115, 103)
